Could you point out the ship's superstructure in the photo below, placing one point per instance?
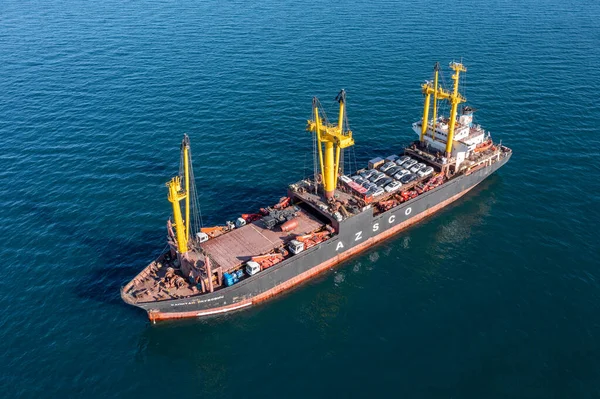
(321, 221)
(455, 136)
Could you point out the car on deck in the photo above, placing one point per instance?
(418, 167)
(409, 164)
(400, 161)
(425, 172)
(387, 166)
(401, 174)
(393, 186)
(408, 178)
(372, 186)
(360, 180)
(378, 192)
(377, 177)
(392, 171)
(368, 173)
(384, 182)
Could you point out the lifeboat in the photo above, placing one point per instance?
(484, 146)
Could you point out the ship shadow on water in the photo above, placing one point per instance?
(120, 259)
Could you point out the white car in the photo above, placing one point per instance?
(401, 174)
(409, 164)
(393, 186)
(418, 167)
(402, 159)
(376, 177)
(367, 174)
(425, 172)
(386, 166)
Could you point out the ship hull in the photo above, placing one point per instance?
(356, 234)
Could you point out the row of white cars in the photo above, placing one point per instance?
(390, 176)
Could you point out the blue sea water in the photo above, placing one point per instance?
(497, 296)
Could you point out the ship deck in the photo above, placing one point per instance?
(238, 246)
(226, 251)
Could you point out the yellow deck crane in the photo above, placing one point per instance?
(176, 194)
(331, 139)
(454, 98)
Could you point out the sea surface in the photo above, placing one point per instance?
(497, 296)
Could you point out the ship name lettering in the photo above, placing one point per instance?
(376, 227)
(392, 219)
(183, 303)
(339, 246)
(358, 236)
(212, 299)
(407, 211)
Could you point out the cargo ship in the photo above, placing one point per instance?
(321, 221)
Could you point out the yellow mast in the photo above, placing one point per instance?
(318, 130)
(455, 99)
(424, 122)
(186, 171)
(342, 100)
(175, 195)
(333, 138)
(436, 69)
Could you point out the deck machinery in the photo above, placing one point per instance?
(320, 222)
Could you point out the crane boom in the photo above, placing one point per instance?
(177, 193)
(454, 98)
(186, 171)
(333, 138)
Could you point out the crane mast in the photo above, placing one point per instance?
(186, 171)
(454, 98)
(176, 194)
(331, 139)
(436, 71)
